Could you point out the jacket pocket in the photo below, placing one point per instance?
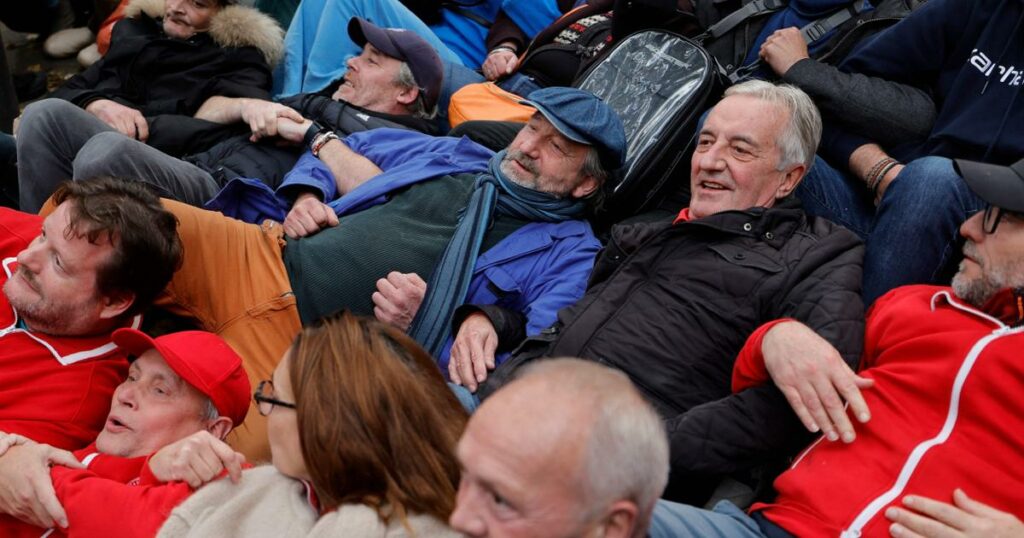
(743, 256)
(502, 286)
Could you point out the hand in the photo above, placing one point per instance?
(196, 459)
(8, 440)
(125, 120)
(308, 216)
(293, 131)
(26, 491)
(262, 117)
(814, 379)
(499, 64)
(887, 180)
(473, 351)
(398, 298)
(966, 517)
(784, 48)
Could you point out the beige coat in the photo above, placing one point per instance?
(267, 503)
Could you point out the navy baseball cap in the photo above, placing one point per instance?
(582, 117)
(1001, 186)
(406, 46)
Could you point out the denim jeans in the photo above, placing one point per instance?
(674, 520)
(912, 237)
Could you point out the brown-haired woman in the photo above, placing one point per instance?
(362, 430)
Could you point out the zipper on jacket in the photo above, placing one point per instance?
(918, 453)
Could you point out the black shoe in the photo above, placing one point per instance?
(29, 86)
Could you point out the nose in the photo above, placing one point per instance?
(173, 6)
(972, 228)
(352, 62)
(464, 518)
(711, 158)
(125, 395)
(30, 257)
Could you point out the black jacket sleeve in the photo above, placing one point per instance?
(886, 112)
(757, 425)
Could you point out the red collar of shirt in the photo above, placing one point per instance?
(684, 216)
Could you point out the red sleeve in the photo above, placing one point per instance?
(749, 370)
(99, 506)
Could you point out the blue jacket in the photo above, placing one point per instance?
(969, 56)
(537, 270)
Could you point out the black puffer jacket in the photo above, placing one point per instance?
(269, 162)
(672, 305)
(168, 79)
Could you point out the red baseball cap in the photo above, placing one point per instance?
(204, 360)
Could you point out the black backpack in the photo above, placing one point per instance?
(659, 83)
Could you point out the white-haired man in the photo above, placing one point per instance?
(671, 303)
(570, 448)
(182, 389)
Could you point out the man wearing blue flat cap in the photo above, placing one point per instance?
(416, 219)
(675, 305)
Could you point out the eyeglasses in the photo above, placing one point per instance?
(265, 404)
(993, 214)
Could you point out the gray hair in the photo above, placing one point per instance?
(799, 139)
(592, 167)
(627, 452)
(209, 411)
(417, 108)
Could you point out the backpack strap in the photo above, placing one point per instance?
(815, 30)
(736, 18)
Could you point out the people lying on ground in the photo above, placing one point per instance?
(314, 49)
(940, 455)
(570, 448)
(902, 195)
(672, 303)
(362, 430)
(436, 230)
(393, 83)
(165, 61)
(183, 391)
(69, 280)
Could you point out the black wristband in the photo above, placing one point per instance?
(311, 133)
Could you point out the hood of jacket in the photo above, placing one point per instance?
(232, 26)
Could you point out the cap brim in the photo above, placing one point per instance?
(133, 341)
(998, 185)
(363, 31)
(568, 132)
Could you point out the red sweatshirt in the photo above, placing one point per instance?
(55, 390)
(947, 411)
(112, 498)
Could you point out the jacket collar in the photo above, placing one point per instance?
(1005, 308)
(232, 27)
(772, 225)
(66, 350)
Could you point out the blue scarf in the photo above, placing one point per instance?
(450, 281)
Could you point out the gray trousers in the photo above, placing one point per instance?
(58, 141)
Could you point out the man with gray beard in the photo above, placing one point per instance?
(941, 454)
(414, 219)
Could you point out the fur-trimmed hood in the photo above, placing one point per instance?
(233, 26)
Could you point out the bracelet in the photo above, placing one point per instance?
(500, 48)
(321, 140)
(882, 173)
(873, 176)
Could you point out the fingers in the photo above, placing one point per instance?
(290, 113)
(972, 506)
(796, 402)
(908, 524)
(307, 217)
(466, 374)
(65, 458)
(453, 366)
(48, 508)
(141, 127)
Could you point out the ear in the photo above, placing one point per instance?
(117, 304)
(790, 180)
(620, 520)
(408, 96)
(220, 427)
(587, 185)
